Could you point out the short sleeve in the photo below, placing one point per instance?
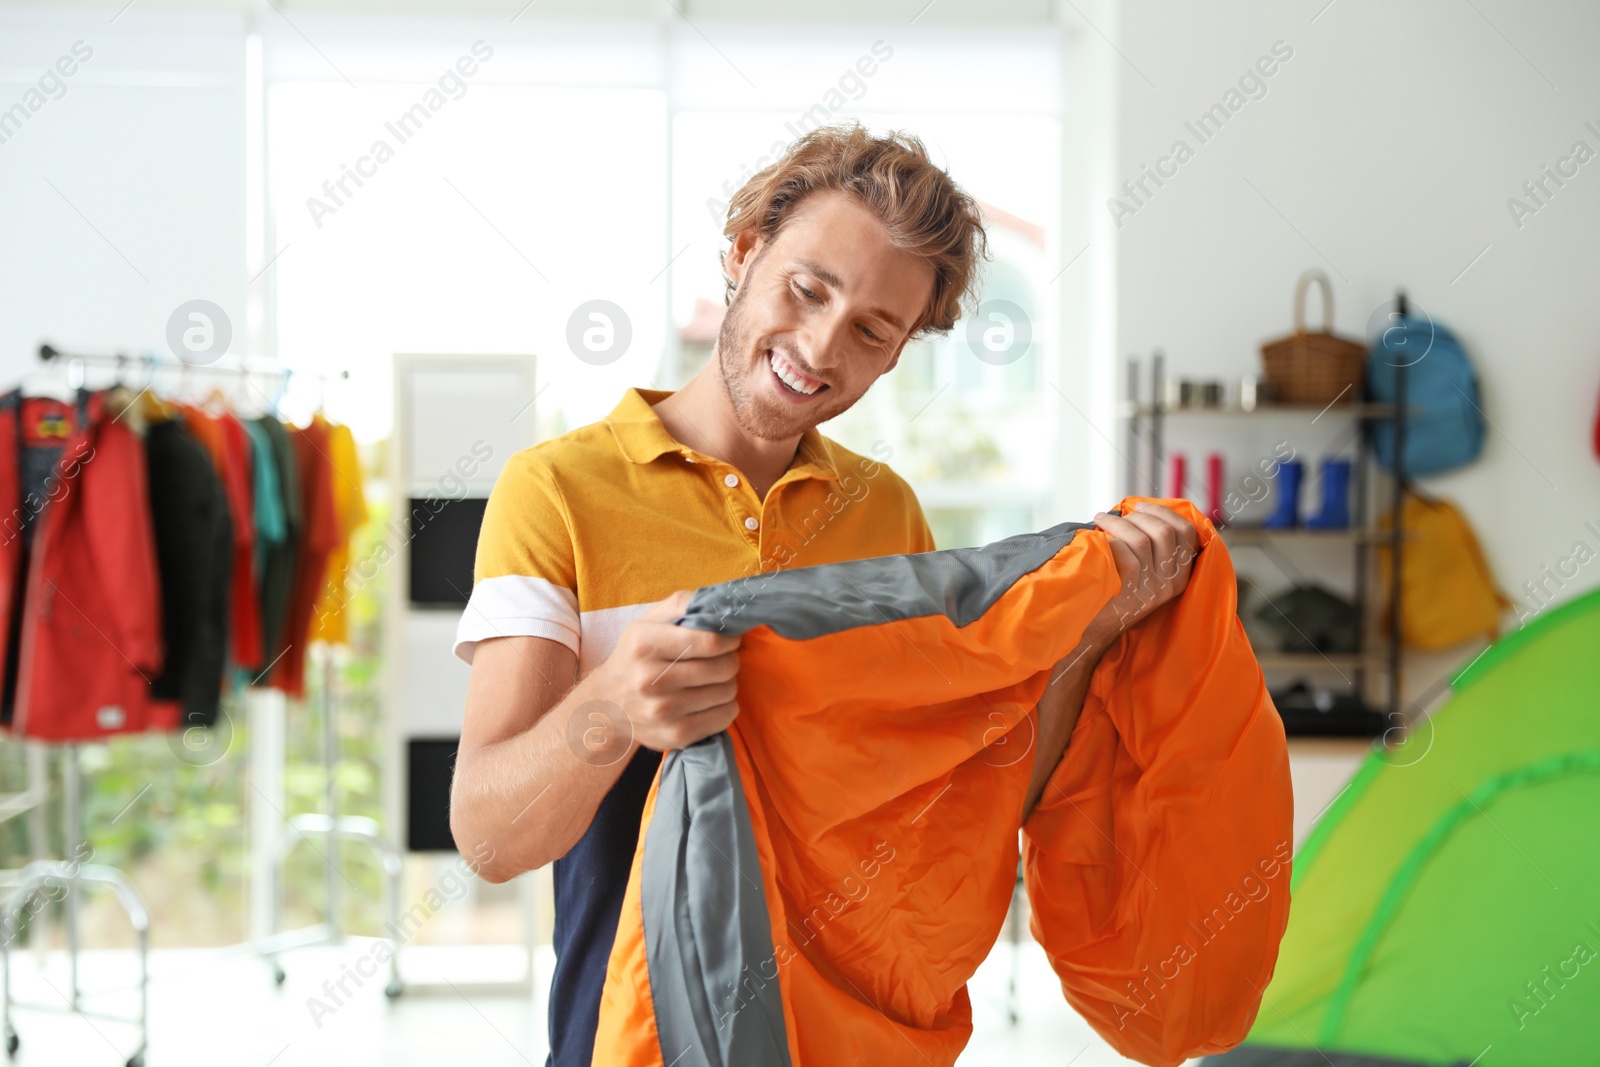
(919, 537)
(524, 580)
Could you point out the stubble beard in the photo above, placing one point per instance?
(757, 417)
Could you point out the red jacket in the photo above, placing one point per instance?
(91, 612)
(245, 620)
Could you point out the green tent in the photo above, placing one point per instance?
(1447, 904)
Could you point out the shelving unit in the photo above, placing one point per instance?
(1378, 650)
(1357, 410)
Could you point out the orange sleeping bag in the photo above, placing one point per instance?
(816, 886)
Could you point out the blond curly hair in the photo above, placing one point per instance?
(925, 212)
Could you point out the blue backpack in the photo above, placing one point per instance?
(1444, 428)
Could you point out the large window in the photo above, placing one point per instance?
(445, 185)
(966, 417)
(439, 183)
(497, 216)
(400, 233)
(485, 230)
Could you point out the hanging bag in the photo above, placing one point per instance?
(1447, 593)
(1313, 367)
(1444, 419)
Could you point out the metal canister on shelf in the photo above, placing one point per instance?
(1178, 393)
(1253, 392)
(1210, 394)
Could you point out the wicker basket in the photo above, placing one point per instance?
(1313, 368)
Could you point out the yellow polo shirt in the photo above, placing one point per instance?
(583, 533)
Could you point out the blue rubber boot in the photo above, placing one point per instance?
(1335, 513)
(1287, 487)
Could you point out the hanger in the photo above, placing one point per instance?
(242, 403)
(154, 409)
(215, 403)
(272, 399)
(50, 383)
(322, 393)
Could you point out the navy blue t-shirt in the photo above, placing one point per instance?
(590, 881)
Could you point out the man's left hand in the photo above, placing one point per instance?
(1154, 548)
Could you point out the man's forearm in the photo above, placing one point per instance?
(1059, 707)
(532, 795)
(1153, 550)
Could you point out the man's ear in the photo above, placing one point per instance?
(741, 254)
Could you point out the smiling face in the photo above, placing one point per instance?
(820, 312)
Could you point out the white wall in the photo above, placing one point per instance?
(122, 197)
(1384, 152)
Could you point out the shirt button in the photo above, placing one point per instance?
(749, 523)
(730, 480)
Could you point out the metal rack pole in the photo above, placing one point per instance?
(1397, 531)
(1363, 548)
(71, 874)
(1158, 370)
(1130, 457)
(330, 792)
(240, 366)
(72, 784)
(334, 829)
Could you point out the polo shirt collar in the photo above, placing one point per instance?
(642, 438)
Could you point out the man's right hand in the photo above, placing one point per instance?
(538, 754)
(675, 684)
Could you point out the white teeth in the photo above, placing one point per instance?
(790, 376)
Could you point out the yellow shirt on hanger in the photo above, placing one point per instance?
(328, 622)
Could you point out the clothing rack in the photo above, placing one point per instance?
(332, 828)
(328, 825)
(70, 875)
(240, 367)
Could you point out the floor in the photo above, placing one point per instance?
(221, 1010)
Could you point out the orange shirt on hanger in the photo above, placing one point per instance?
(321, 535)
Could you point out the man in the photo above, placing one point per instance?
(839, 254)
